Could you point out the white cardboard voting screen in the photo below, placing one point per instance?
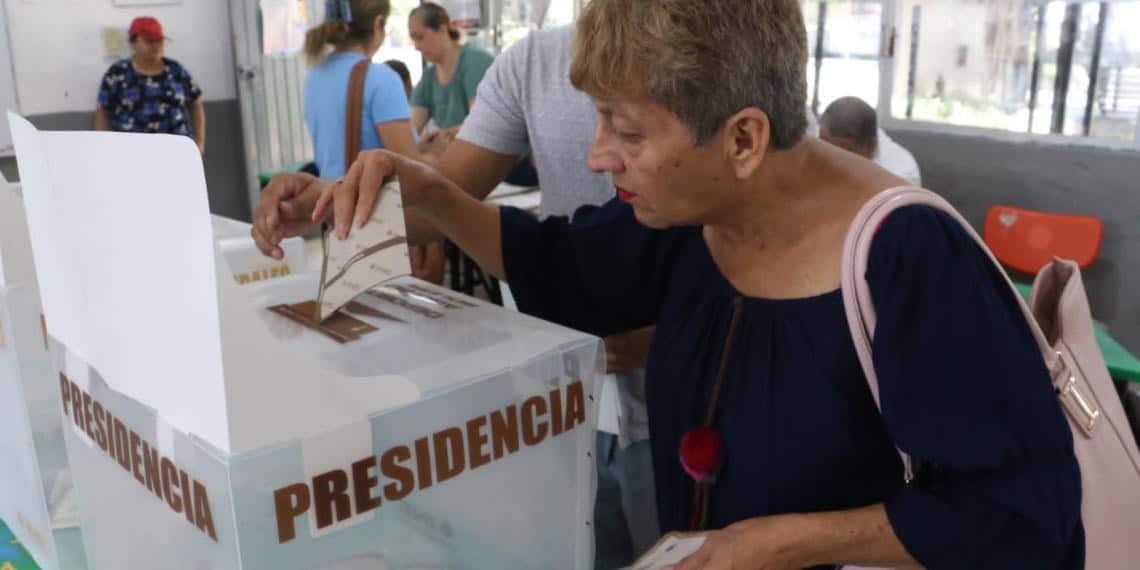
(37, 496)
(87, 247)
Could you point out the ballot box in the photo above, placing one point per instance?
(37, 499)
(207, 426)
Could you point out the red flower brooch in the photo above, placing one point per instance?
(702, 453)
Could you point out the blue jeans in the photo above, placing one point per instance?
(625, 508)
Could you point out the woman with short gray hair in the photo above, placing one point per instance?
(728, 233)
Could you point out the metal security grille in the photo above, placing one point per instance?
(286, 139)
(270, 81)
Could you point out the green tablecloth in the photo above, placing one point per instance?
(12, 555)
(1121, 364)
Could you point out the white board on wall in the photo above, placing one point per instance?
(7, 85)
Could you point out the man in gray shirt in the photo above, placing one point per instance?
(526, 101)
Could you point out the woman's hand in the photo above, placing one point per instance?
(762, 543)
(353, 198)
(285, 210)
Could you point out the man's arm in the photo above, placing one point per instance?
(469, 223)
(474, 169)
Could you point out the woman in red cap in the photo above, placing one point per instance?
(149, 93)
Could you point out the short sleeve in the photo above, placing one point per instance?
(110, 88)
(475, 67)
(193, 91)
(966, 394)
(421, 93)
(497, 122)
(386, 101)
(603, 273)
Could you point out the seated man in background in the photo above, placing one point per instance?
(149, 93)
(852, 125)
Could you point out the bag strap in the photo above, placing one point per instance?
(857, 295)
(354, 109)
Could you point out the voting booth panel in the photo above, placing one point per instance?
(209, 428)
(37, 498)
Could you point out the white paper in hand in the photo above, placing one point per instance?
(371, 255)
(670, 550)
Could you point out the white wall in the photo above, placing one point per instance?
(57, 48)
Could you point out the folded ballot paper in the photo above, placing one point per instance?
(412, 428)
(369, 256)
(355, 267)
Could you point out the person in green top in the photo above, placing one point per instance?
(446, 91)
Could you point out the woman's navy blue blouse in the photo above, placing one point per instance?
(964, 388)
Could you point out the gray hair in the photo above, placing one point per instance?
(703, 60)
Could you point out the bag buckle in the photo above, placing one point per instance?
(1071, 391)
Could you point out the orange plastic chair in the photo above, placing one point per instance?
(1027, 240)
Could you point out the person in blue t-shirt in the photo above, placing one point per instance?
(355, 30)
(149, 93)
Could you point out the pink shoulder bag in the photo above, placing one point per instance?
(1059, 319)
